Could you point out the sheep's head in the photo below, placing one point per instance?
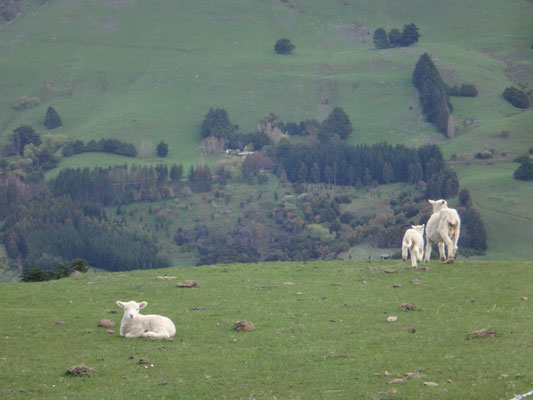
(438, 205)
(419, 228)
(131, 308)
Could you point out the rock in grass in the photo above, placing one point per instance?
(80, 370)
(60, 323)
(431, 384)
(187, 284)
(392, 318)
(244, 326)
(397, 381)
(106, 323)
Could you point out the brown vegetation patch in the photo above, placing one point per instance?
(244, 326)
(106, 323)
(80, 370)
(483, 333)
(187, 284)
(408, 307)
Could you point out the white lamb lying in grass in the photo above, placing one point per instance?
(135, 325)
(443, 228)
(413, 242)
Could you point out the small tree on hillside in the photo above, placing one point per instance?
(338, 123)
(284, 46)
(52, 119)
(162, 149)
(516, 97)
(22, 136)
(410, 35)
(525, 171)
(381, 40)
(395, 38)
(216, 123)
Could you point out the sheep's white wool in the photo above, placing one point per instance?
(135, 325)
(413, 243)
(443, 228)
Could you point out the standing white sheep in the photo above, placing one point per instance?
(413, 242)
(135, 325)
(443, 228)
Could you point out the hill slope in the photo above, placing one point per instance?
(138, 72)
(321, 332)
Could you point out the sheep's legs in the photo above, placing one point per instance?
(428, 250)
(442, 251)
(451, 250)
(404, 252)
(155, 335)
(414, 256)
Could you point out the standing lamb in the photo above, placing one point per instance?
(413, 242)
(443, 228)
(135, 325)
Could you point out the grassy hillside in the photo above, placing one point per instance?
(321, 332)
(138, 72)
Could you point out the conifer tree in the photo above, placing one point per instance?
(162, 149)
(52, 119)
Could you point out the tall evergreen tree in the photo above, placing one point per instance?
(433, 94)
(162, 149)
(52, 119)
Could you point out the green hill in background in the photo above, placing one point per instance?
(149, 71)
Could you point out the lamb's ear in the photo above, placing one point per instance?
(120, 304)
(142, 304)
(432, 201)
(413, 227)
(423, 226)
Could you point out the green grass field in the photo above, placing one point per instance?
(321, 333)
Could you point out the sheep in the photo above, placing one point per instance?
(413, 242)
(443, 228)
(135, 325)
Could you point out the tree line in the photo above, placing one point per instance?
(48, 230)
(364, 165)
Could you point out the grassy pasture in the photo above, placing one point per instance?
(313, 339)
(136, 72)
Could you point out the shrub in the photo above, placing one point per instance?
(284, 46)
(466, 90)
(25, 102)
(516, 97)
(525, 171)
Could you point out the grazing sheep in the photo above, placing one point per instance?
(135, 325)
(443, 228)
(413, 242)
